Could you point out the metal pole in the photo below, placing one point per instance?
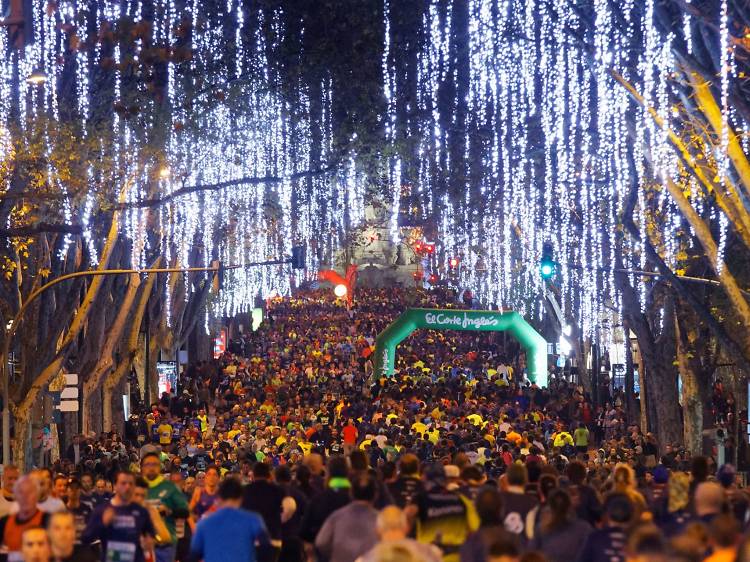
(595, 374)
(6, 410)
(147, 370)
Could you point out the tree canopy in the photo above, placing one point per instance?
(195, 131)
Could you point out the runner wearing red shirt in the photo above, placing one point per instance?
(349, 434)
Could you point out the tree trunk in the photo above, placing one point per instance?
(22, 427)
(630, 406)
(106, 358)
(79, 320)
(692, 406)
(696, 362)
(117, 411)
(128, 350)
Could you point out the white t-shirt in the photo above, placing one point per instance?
(50, 505)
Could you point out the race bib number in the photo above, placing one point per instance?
(155, 503)
(179, 525)
(120, 551)
(80, 524)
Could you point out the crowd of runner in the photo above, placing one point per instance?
(289, 448)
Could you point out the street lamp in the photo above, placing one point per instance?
(37, 78)
(340, 291)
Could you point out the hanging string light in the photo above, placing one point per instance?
(513, 136)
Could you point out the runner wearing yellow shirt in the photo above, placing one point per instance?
(203, 419)
(419, 427)
(306, 447)
(562, 438)
(434, 435)
(234, 432)
(165, 431)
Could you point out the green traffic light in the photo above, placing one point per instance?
(547, 269)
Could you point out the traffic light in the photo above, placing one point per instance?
(217, 284)
(547, 265)
(453, 263)
(298, 257)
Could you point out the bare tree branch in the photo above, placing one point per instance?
(41, 228)
(157, 201)
(246, 180)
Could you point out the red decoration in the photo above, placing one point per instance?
(336, 279)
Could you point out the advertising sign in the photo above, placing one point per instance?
(220, 343)
(167, 371)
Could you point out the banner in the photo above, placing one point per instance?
(468, 320)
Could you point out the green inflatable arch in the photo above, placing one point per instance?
(469, 320)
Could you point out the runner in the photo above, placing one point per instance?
(121, 525)
(168, 500)
(27, 516)
(230, 534)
